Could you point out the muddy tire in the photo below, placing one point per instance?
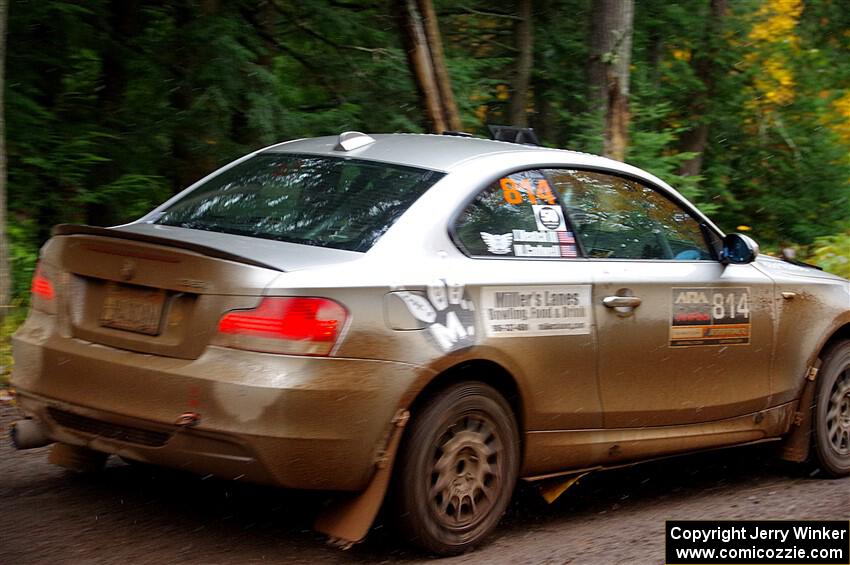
(832, 412)
(457, 469)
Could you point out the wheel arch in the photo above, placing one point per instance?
(838, 333)
(798, 442)
(842, 333)
(833, 459)
(485, 371)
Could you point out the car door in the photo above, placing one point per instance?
(533, 299)
(682, 338)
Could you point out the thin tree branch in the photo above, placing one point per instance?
(469, 10)
(780, 127)
(296, 21)
(273, 41)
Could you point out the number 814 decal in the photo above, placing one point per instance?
(535, 190)
(710, 316)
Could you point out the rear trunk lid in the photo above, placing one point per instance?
(162, 290)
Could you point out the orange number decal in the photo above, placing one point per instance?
(544, 192)
(510, 192)
(528, 189)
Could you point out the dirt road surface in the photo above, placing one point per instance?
(128, 514)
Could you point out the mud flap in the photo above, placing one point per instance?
(552, 489)
(795, 448)
(347, 521)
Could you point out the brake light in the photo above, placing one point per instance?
(294, 325)
(41, 285)
(42, 291)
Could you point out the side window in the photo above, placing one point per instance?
(620, 218)
(516, 216)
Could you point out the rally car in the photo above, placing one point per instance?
(430, 316)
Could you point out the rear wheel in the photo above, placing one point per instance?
(832, 412)
(457, 468)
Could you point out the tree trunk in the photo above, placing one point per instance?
(438, 63)
(124, 21)
(706, 68)
(419, 57)
(694, 140)
(610, 57)
(525, 46)
(123, 24)
(5, 268)
(421, 34)
(542, 119)
(656, 51)
(188, 164)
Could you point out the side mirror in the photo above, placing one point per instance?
(739, 249)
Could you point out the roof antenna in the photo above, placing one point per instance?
(351, 140)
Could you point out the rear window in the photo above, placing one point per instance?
(324, 201)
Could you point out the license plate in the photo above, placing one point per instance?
(133, 309)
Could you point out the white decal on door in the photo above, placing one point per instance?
(536, 310)
(448, 312)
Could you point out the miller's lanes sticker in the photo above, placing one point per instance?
(530, 311)
(710, 316)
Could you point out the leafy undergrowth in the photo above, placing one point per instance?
(14, 317)
(832, 253)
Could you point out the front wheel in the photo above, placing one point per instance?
(457, 468)
(832, 412)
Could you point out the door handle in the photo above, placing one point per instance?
(621, 301)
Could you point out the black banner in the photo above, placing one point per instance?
(767, 542)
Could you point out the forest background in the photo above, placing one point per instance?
(110, 106)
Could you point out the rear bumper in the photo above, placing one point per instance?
(298, 422)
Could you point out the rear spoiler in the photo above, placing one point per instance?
(74, 229)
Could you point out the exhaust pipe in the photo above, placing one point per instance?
(28, 434)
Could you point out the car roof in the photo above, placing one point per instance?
(447, 153)
(463, 156)
(429, 151)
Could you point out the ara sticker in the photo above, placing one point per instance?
(531, 311)
(549, 218)
(710, 316)
(447, 311)
(497, 244)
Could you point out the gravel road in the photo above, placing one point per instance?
(129, 514)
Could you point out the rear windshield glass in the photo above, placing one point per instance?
(324, 201)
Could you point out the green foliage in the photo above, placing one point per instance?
(13, 317)
(24, 253)
(832, 253)
(655, 149)
(130, 102)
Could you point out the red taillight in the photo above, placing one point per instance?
(296, 325)
(41, 285)
(43, 294)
